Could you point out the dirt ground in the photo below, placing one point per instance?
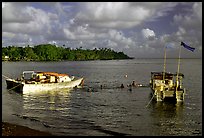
(9, 129)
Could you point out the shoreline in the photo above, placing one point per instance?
(9, 129)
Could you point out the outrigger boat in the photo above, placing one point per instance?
(34, 81)
(165, 84)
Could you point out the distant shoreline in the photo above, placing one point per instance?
(87, 60)
(9, 129)
(62, 60)
(48, 52)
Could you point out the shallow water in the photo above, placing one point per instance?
(108, 111)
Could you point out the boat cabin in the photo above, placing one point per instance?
(45, 77)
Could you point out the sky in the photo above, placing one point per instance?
(139, 29)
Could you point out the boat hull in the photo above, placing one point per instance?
(159, 95)
(167, 86)
(21, 87)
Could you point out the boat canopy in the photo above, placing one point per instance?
(31, 73)
(168, 75)
(53, 74)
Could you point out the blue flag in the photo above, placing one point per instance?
(187, 47)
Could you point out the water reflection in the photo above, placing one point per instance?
(47, 100)
(167, 117)
(167, 108)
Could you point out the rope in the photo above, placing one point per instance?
(150, 100)
(5, 76)
(14, 87)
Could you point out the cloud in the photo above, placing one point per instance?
(120, 14)
(148, 34)
(197, 9)
(137, 28)
(190, 26)
(4, 4)
(26, 19)
(13, 13)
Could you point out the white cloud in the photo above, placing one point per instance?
(120, 14)
(103, 24)
(3, 4)
(72, 21)
(189, 26)
(120, 39)
(52, 42)
(111, 44)
(8, 34)
(26, 19)
(197, 9)
(148, 34)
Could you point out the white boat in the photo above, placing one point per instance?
(32, 81)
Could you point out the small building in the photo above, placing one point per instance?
(5, 58)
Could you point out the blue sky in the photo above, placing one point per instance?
(139, 29)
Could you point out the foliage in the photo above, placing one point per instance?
(48, 52)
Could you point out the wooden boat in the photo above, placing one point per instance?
(166, 85)
(32, 81)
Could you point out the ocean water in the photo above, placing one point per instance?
(101, 108)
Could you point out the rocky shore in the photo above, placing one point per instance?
(9, 129)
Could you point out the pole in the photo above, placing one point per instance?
(179, 60)
(164, 63)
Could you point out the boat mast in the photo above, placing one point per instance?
(179, 60)
(164, 63)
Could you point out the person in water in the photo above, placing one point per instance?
(134, 84)
(122, 86)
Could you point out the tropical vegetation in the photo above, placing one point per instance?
(49, 52)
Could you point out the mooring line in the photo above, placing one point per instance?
(150, 100)
(14, 87)
(5, 76)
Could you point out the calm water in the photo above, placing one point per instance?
(92, 111)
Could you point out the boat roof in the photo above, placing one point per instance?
(166, 73)
(46, 73)
(53, 74)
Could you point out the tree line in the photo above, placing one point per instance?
(49, 52)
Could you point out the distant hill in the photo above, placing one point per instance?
(48, 52)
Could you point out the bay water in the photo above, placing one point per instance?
(101, 108)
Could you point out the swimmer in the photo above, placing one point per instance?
(122, 86)
(134, 84)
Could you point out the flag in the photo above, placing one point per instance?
(187, 47)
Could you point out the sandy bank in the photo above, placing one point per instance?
(9, 129)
